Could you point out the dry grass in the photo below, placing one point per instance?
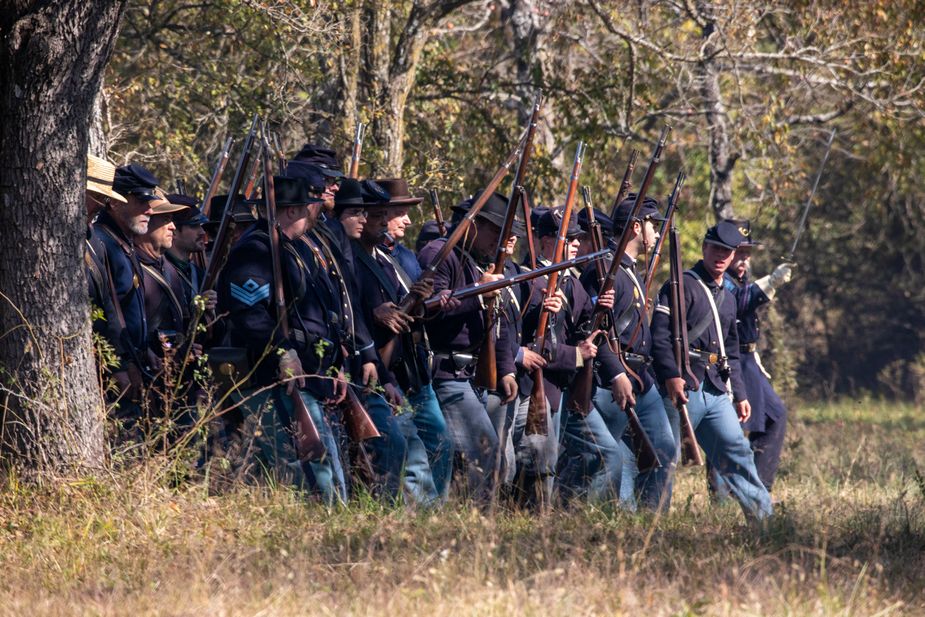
(849, 540)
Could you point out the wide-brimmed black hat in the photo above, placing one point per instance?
(602, 219)
(430, 230)
(191, 214)
(548, 221)
(650, 209)
(355, 193)
(745, 228)
(399, 195)
(136, 180)
(494, 211)
(324, 158)
(242, 211)
(725, 234)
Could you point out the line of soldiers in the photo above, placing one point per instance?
(345, 272)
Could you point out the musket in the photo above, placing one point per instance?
(280, 155)
(536, 411)
(626, 183)
(464, 293)
(597, 236)
(690, 449)
(656, 256)
(199, 257)
(412, 302)
(357, 151)
(308, 444)
(528, 223)
(250, 189)
(486, 372)
(809, 202)
(438, 213)
(222, 242)
(579, 400)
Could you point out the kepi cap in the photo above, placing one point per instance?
(725, 234)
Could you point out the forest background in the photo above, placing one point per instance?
(752, 90)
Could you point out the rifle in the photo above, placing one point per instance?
(536, 411)
(181, 187)
(656, 256)
(579, 401)
(515, 279)
(308, 444)
(222, 242)
(199, 257)
(486, 373)
(597, 236)
(625, 184)
(250, 188)
(280, 155)
(809, 202)
(690, 449)
(412, 302)
(438, 213)
(528, 223)
(357, 421)
(354, 171)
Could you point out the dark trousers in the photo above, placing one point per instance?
(767, 447)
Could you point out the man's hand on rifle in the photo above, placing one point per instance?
(340, 389)
(389, 316)
(423, 288)
(370, 374)
(605, 300)
(508, 389)
(553, 304)
(531, 360)
(675, 388)
(210, 299)
(447, 302)
(744, 410)
(488, 277)
(622, 390)
(290, 366)
(587, 348)
(392, 395)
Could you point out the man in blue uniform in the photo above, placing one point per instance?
(711, 323)
(768, 420)
(308, 363)
(630, 381)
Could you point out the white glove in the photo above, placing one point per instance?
(782, 274)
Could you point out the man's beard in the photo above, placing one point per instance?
(138, 227)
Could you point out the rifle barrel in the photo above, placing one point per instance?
(812, 194)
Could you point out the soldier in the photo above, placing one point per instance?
(308, 363)
(325, 161)
(401, 339)
(629, 381)
(189, 239)
(456, 333)
(768, 419)
(591, 459)
(113, 239)
(711, 316)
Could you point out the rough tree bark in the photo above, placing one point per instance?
(52, 56)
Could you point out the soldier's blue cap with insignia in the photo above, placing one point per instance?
(324, 158)
(310, 173)
(192, 215)
(494, 211)
(602, 219)
(134, 179)
(292, 192)
(648, 210)
(725, 234)
(547, 223)
(745, 228)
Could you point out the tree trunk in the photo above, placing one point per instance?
(722, 159)
(51, 61)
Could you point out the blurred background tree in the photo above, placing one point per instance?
(751, 88)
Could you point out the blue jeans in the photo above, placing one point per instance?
(591, 462)
(432, 430)
(276, 451)
(653, 486)
(719, 433)
(472, 434)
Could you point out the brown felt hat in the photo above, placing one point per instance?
(161, 205)
(100, 174)
(399, 195)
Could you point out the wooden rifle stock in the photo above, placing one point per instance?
(626, 183)
(199, 257)
(411, 303)
(308, 444)
(579, 399)
(690, 449)
(438, 213)
(515, 279)
(486, 372)
(536, 412)
(355, 155)
(250, 189)
(357, 421)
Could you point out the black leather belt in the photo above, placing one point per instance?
(457, 362)
(748, 348)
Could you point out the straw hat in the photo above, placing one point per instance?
(100, 174)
